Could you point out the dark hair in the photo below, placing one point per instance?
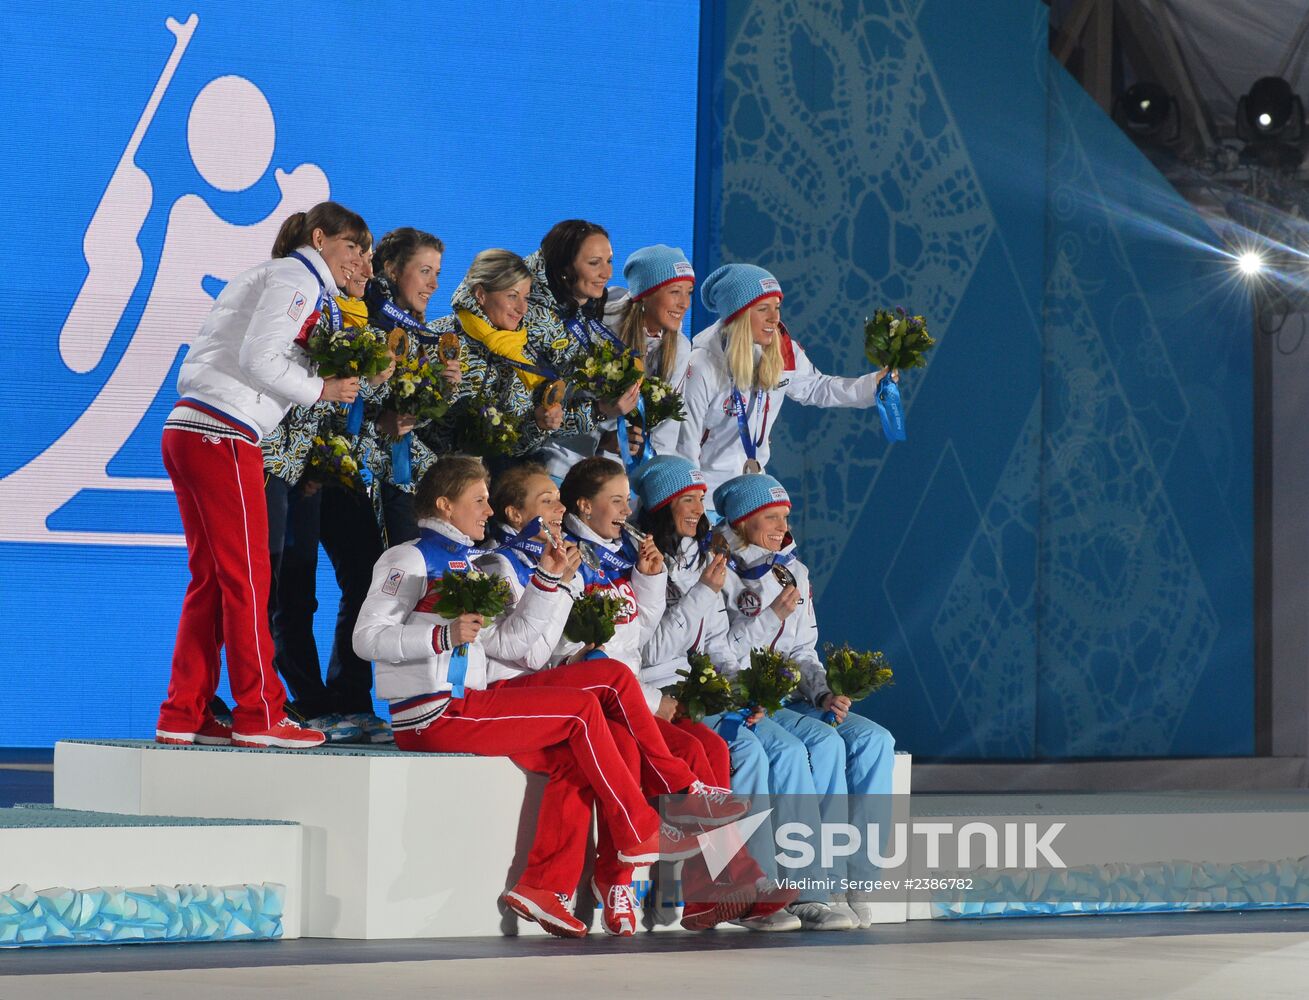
(397, 248)
(585, 479)
(559, 249)
(448, 477)
(333, 219)
(509, 487)
(662, 529)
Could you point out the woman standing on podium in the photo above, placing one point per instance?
(243, 372)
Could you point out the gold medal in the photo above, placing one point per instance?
(719, 545)
(752, 467)
(447, 348)
(398, 341)
(554, 394)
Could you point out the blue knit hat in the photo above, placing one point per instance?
(734, 288)
(738, 498)
(663, 479)
(653, 267)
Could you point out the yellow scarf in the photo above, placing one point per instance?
(353, 311)
(506, 343)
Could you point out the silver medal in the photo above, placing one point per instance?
(634, 533)
(783, 575)
(588, 557)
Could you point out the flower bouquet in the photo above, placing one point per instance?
(480, 426)
(702, 690)
(897, 340)
(331, 460)
(855, 673)
(593, 618)
(417, 390)
(354, 352)
(767, 682)
(662, 402)
(470, 593)
(606, 372)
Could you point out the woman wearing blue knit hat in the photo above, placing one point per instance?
(770, 604)
(770, 765)
(647, 316)
(742, 369)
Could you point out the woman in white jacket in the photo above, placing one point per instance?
(530, 514)
(647, 316)
(743, 368)
(243, 372)
(770, 604)
(441, 686)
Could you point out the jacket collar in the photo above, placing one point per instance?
(320, 266)
(447, 529)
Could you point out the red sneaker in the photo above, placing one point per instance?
(619, 915)
(707, 805)
(211, 734)
(549, 909)
(285, 735)
(730, 903)
(770, 901)
(669, 844)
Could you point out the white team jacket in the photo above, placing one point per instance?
(695, 618)
(645, 596)
(399, 639)
(754, 625)
(664, 438)
(710, 437)
(244, 361)
(519, 642)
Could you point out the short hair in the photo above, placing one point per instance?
(495, 270)
(448, 477)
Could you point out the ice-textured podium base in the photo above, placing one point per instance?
(141, 915)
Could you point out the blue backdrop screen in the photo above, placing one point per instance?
(151, 159)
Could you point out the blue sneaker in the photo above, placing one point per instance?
(375, 729)
(337, 728)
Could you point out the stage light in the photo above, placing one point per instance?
(1145, 107)
(1270, 109)
(1250, 263)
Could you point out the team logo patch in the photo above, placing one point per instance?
(561, 343)
(393, 580)
(298, 303)
(683, 270)
(770, 285)
(748, 603)
(696, 476)
(777, 493)
(458, 564)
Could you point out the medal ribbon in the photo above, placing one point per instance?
(889, 409)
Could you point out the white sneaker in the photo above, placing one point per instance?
(842, 907)
(782, 920)
(821, 917)
(862, 909)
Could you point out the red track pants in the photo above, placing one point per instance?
(563, 733)
(219, 484)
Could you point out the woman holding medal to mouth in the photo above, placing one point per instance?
(534, 552)
(743, 367)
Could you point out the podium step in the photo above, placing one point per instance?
(70, 876)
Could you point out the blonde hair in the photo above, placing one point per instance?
(448, 477)
(631, 331)
(740, 356)
(495, 270)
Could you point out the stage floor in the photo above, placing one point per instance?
(1177, 955)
